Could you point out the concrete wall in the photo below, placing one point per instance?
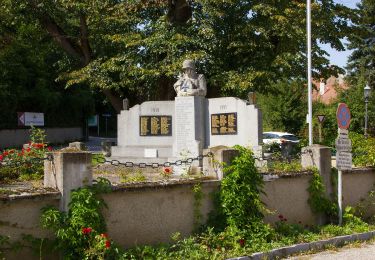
(288, 195)
(18, 137)
(21, 215)
(356, 185)
(150, 213)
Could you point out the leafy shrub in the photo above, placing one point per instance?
(26, 163)
(80, 233)
(240, 190)
(363, 150)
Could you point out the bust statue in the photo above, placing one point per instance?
(190, 83)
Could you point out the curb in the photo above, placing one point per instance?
(299, 248)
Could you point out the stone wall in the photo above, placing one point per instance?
(151, 213)
(18, 137)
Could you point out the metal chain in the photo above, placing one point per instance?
(152, 165)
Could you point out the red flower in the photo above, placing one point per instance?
(104, 235)
(86, 231)
(241, 242)
(1, 157)
(28, 149)
(49, 148)
(167, 170)
(281, 217)
(5, 153)
(107, 244)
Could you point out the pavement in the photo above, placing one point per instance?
(365, 251)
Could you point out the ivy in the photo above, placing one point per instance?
(318, 200)
(240, 190)
(198, 196)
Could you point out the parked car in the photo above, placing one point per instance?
(279, 137)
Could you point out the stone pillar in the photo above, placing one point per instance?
(78, 145)
(106, 148)
(68, 171)
(213, 166)
(189, 126)
(319, 156)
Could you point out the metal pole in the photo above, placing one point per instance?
(339, 195)
(366, 117)
(320, 132)
(309, 87)
(98, 126)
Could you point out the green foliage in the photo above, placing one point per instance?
(285, 167)
(284, 106)
(318, 200)
(80, 231)
(198, 196)
(26, 164)
(132, 176)
(329, 125)
(361, 66)
(240, 190)
(134, 49)
(365, 203)
(361, 61)
(363, 149)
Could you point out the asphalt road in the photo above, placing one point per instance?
(363, 251)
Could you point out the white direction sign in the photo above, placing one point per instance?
(30, 118)
(343, 160)
(343, 148)
(343, 144)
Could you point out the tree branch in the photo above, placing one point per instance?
(85, 45)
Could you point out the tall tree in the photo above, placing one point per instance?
(136, 47)
(361, 65)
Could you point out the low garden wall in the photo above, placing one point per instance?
(151, 213)
(18, 137)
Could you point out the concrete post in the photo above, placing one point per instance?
(213, 166)
(78, 145)
(319, 156)
(68, 171)
(106, 148)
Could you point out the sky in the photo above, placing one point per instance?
(340, 57)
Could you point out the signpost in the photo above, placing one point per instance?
(30, 119)
(343, 149)
(320, 120)
(106, 116)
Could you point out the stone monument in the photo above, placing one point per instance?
(166, 131)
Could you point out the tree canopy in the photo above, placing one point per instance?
(135, 48)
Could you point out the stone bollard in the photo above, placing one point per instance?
(66, 172)
(106, 148)
(213, 166)
(319, 156)
(79, 145)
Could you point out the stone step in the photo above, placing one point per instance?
(141, 151)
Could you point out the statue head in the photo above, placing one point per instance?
(188, 64)
(188, 67)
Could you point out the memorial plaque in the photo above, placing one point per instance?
(224, 124)
(155, 125)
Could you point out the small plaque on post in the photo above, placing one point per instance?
(224, 124)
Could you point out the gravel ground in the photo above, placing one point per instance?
(363, 251)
